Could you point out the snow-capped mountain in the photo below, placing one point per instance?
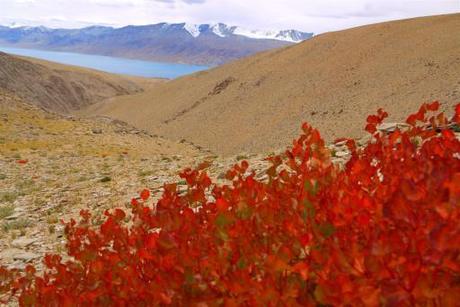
(208, 44)
(223, 30)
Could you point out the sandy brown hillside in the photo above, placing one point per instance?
(332, 81)
(58, 87)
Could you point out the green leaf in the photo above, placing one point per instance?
(189, 278)
(222, 221)
(327, 230)
(222, 234)
(312, 189)
(241, 264)
(309, 211)
(319, 294)
(245, 213)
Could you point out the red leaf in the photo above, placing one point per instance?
(222, 205)
(373, 119)
(108, 226)
(371, 128)
(145, 194)
(434, 106)
(412, 119)
(145, 255)
(448, 134)
(151, 240)
(119, 214)
(305, 239)
(302, 269)
(456, 118)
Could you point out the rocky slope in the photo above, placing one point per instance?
(333, 81)
(58, 87)
(51, 167)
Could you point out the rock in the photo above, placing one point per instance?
(340, 143)
(390, 127)
(23, 242)
(262, 177)
(18, 254)
(338, 161)
(341, 154)
(364, 140)
(14, 216)
(96, 131)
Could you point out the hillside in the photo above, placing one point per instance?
(58, 87)
(332, 81)
(52, 166)
(203, 44)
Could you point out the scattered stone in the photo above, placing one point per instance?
(96, 130)
(391, 127)
(23, 242)
(341, 154)
(14, 216)
(340, 144)
(18, 254)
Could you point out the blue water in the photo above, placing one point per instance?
(111, 64)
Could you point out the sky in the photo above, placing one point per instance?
(316, 16)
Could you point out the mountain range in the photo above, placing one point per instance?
(205, 44)
(256, 104)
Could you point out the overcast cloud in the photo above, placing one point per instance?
(307, 15)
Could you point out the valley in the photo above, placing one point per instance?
(330, 81)
(74, 138)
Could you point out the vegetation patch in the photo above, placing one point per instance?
(8, 197)
(6, 211)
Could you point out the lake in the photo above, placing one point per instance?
(111, 64)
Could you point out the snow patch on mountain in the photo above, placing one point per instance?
(220, 29)
(193, 29)
(257, 34)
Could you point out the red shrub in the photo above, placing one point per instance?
(383, 231)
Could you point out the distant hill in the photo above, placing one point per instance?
(331, 81)
(184, 43)
(58, 87)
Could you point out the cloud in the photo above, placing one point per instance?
(194, 1)
(176, 1)
(308, 15)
